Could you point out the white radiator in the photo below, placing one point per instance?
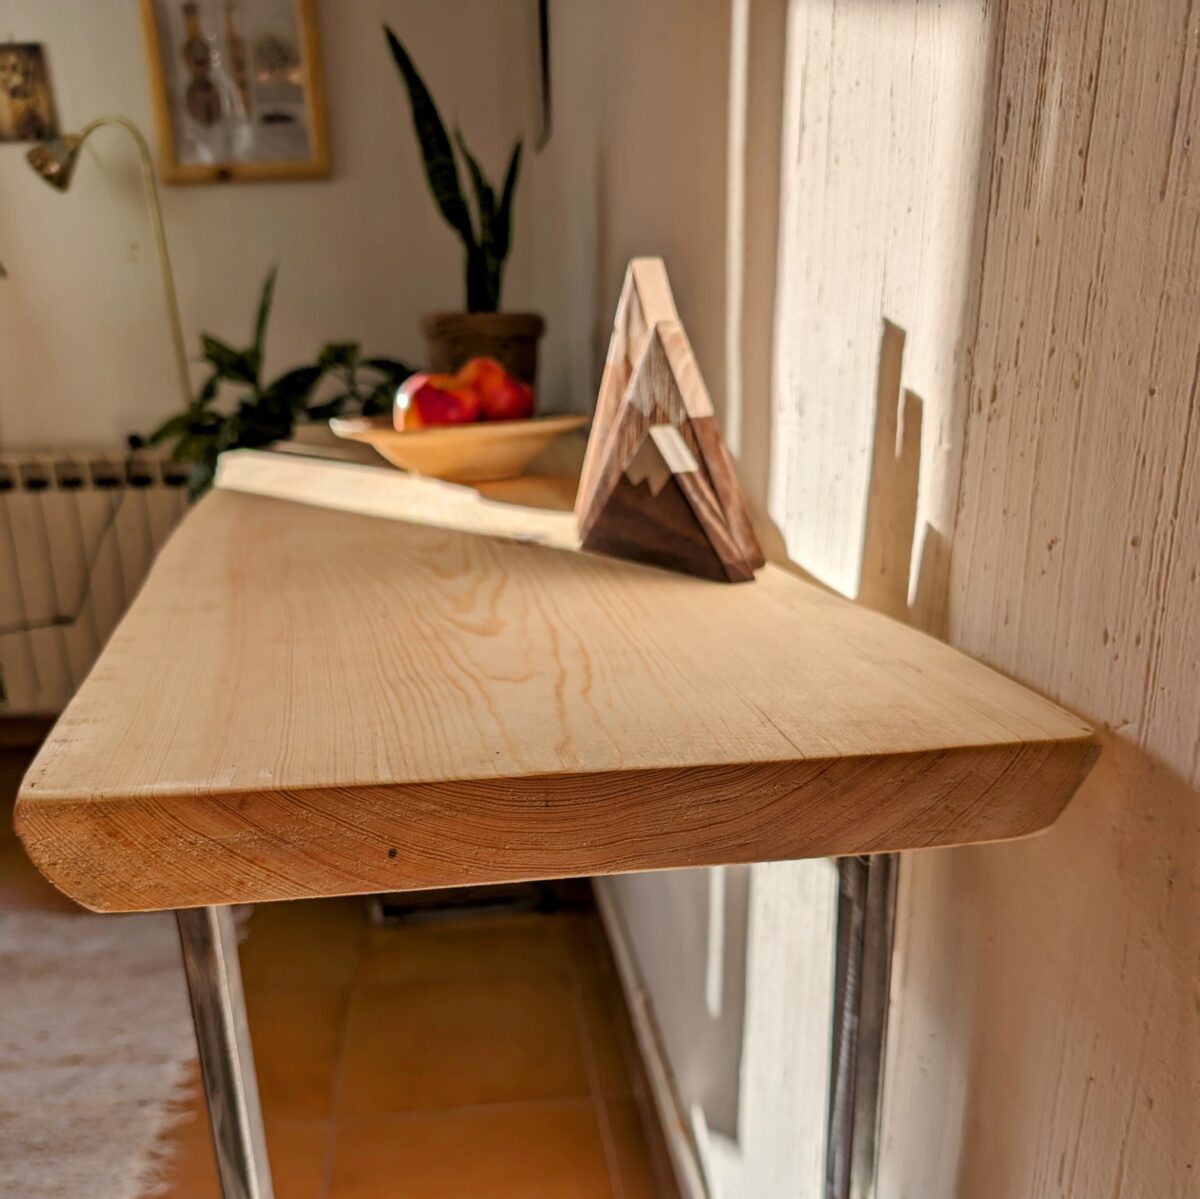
(78, 531)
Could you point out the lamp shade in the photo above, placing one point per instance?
(55, 160)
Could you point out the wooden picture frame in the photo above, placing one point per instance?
(238, 89)
(27, 110)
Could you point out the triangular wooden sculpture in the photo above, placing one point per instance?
(658, 484)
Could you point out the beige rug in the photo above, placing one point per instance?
(95, 1042)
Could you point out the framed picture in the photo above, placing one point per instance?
(238, 91)
(26, 103)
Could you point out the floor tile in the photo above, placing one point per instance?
(297, 1035)
(610, 1034)
(306, 942)
(482, 948)
(449, 1044)
(635, 1163)
(464, 1073)
(193, 1172)
(512, 1151)
(297, 1150)
(585, 933)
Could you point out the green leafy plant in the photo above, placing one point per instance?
(266, 412)
(486, 247)
(366, 385)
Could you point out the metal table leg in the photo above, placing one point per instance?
(862, 978)
(214, 979)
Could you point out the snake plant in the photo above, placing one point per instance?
(486, 239)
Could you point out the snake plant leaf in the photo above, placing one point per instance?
(484, 267)
(440, 167)
(503, 224)
(265, 300)
(485, 197)
(483, 291)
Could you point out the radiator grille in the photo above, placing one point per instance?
(78, 531)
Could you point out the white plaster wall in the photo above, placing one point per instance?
(82, 330)
(1047, 1039)
(1015, 186)
(884, 119)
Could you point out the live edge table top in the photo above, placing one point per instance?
(311, 701)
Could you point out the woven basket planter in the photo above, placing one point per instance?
(451, 338)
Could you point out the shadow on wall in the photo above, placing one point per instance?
(887, 555)
(886, 582)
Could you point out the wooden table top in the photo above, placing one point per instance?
(310, 701)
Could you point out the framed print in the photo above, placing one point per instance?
(26, 103)
(238, 91)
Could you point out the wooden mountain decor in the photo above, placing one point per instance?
(658, 484)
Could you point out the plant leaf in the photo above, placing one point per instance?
(481, 292)
(339, 353)
(289, 393)
(381, 400)
(327, 408)
(485, 197)
(264, 311)
(200, 477)
(502, 240)
(228, 362)
(436, 152)
(176, 426)
(207, 393)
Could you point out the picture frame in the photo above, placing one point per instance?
(27, 111)
(238, 89)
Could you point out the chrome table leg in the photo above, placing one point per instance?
(862, 980)
(214, 978)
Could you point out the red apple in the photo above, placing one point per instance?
(426, 400)
(512, 400)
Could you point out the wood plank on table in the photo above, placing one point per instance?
(304, 701)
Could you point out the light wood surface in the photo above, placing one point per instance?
(305, 701)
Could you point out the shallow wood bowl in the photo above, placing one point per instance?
(476, 453)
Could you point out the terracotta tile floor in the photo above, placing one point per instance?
(483, 1058)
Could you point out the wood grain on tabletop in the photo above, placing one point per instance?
(304, 701)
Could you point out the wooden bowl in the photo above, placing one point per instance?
(476, 453)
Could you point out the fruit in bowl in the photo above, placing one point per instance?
(481, 390)
(474, 426)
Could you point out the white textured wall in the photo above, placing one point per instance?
(1014, 185)
(884, 118)
(1047, 1041)
(82, 329)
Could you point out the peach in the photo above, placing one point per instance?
(501, 396)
